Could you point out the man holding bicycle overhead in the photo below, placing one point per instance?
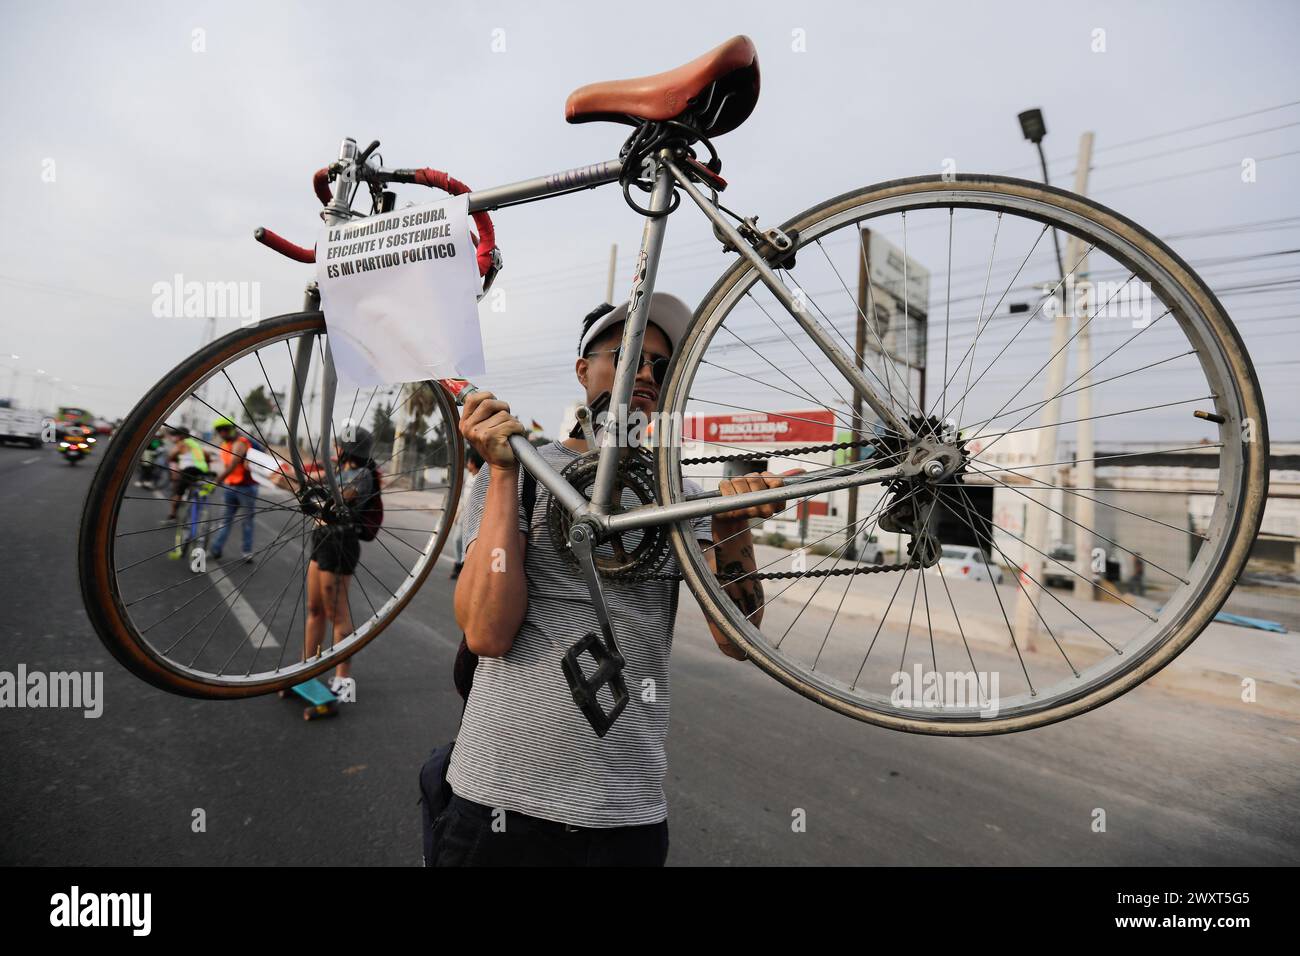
(532, 783)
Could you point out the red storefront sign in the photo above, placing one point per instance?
(811, 506)
(773, 428)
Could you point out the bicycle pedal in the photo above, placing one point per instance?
(609, 670)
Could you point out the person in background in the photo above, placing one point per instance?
(189, 463)
(239, 488)
(149, 466)
(1139, 575)
(473, 462)
(335, 554)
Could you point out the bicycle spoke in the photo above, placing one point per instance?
(993, 311)
(223, 625)
(979, 324)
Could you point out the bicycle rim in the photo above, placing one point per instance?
(1130, 653)
(235, 629)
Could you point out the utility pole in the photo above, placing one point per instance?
(860, 342)
(403, 421)
(1084, 472)
(613, 265)
(1036, 543)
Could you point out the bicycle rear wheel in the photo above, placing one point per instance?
(236, 628)
(927, 285)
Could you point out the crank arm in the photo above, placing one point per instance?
(609, 661)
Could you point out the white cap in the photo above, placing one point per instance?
(666, 311)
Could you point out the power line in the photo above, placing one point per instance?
(1194, 172)
(1172, 132)
(1182, 149)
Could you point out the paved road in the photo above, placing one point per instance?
(1180, 781)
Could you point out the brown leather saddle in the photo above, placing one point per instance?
(716, 92)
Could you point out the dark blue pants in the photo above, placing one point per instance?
(237, 498)
(463, 835)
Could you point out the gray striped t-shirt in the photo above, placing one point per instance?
(523, 745)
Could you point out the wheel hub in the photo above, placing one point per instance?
(934, 457)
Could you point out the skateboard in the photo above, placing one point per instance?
(320, 701)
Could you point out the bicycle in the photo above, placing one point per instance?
(767, 341)
(191, 529)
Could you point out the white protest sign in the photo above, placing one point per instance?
(399, 292)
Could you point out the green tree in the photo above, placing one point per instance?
(258, 407)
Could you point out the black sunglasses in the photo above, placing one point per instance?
(658, 363)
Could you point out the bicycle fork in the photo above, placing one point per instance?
(329, 386)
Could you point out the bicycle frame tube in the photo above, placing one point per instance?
(783, 295)
(708, 503)
(667, 176)
(714, 503)
(541, 187)
(614, 442)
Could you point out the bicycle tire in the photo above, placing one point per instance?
(1249, 458)
(114, 476)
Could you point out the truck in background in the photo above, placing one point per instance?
(20, 425)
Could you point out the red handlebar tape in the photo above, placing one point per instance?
(283, 246)
(487, 238)
(321, 184)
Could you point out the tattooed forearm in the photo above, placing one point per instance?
(736, 563)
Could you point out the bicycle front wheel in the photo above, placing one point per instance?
(244, 621)
(1105, 420)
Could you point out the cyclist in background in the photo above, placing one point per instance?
(189, 463)
(149, 466)
(239, 488)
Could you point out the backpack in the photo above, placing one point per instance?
(435, 792)
(370, 516)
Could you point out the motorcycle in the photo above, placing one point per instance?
(73, 447)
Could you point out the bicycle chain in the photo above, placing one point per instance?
(787, 575)
(783, 453)
(776, 575)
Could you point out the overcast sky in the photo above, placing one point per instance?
(164, 159)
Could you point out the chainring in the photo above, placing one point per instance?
(615, 560)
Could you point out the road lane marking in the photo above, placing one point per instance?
(30, 460)
(244, 614)
(243, 611)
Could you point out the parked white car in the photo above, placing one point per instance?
(968, 564)
(869, 549)
(1063, 570)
